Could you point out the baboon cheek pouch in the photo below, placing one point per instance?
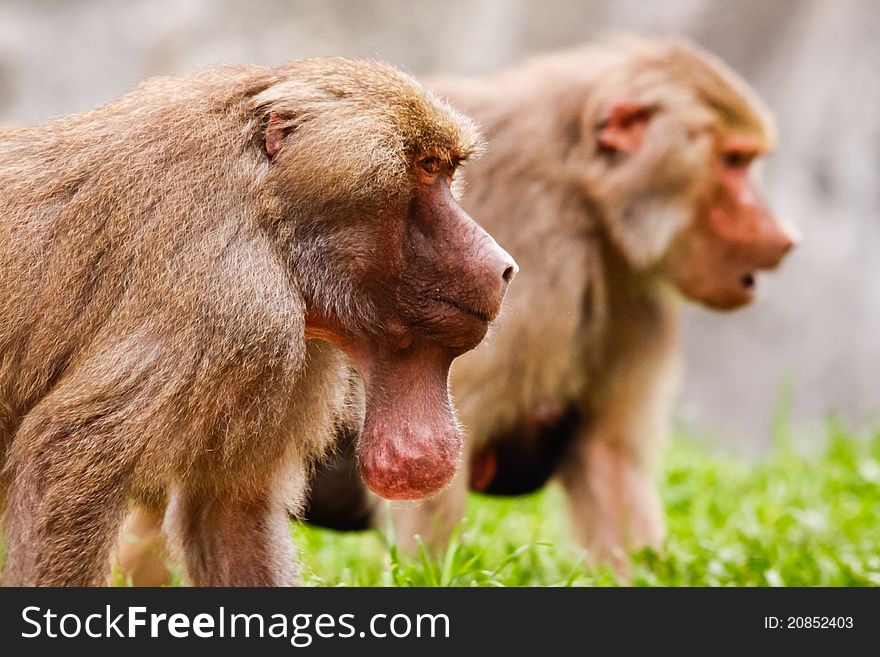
(411, 444)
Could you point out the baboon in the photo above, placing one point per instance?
(182, 274)
(618, 176)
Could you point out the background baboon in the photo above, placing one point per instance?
(172, 268)
(616, 175)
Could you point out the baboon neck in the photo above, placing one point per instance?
(629, 288)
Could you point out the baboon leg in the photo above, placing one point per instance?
(65, 504)
(233, 541)
(613, 500)
(142, 557)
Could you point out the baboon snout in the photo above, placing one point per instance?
(466, 267)
(779, 239)
(492, 276)
(789, 237)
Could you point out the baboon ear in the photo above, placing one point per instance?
(277, 128)
(623, 127)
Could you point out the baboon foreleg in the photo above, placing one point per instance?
(233, 541)
(612, 498)
(68, 492)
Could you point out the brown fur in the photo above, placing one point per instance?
(163, 262)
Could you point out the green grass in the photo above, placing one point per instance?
(782, 520)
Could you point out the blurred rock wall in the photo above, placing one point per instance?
(814, 331)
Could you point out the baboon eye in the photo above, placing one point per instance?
(738, 159)
(431, 165)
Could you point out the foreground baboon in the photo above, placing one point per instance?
(616, 175)
(173, 269)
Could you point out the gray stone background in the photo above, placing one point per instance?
(811, 338)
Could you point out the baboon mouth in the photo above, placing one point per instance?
(473, 312)
(748, 281)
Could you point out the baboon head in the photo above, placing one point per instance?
(391, 269)
(675, 136)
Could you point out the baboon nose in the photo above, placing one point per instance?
(497, 269)
(503, 262)
(508, 268)
(790, 236)
(784, 236)
(787, 240)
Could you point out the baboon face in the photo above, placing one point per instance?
(431, 273)
(674, 180)
(454, 276)
(733, 235)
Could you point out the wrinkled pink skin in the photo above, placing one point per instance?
(411, 444)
